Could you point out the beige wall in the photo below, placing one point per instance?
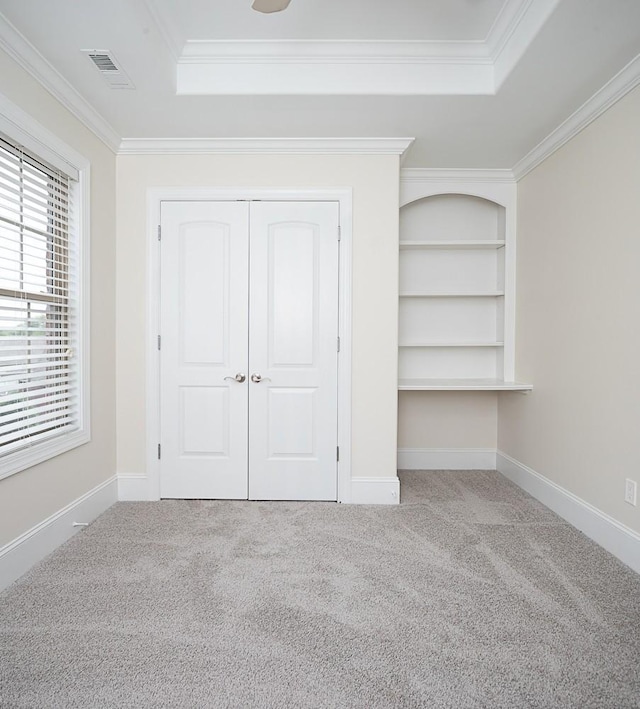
(374, 180)
(32, 495)
(447, 419)
(578, 315)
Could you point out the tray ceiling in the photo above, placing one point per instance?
(478, 83)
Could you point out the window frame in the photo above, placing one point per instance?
(23, 129)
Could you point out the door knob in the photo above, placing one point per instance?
(257, 378)
(240, 377)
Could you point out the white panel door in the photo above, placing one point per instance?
(204, 325)
(293, 358)
(249, 360)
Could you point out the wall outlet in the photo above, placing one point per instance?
(630, 491)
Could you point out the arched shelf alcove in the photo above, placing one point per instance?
(456, 310)
(455, 220)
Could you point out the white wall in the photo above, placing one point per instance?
(29, 497)
(374, 180)
(447, 420)
(578, 316)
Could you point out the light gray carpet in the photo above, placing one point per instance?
(468, 594)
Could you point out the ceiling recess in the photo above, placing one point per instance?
(109, 68)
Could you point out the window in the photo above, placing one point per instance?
(42, 397)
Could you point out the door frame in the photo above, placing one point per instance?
(157, 195)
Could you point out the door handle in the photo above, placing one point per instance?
(257, 378)
(240, 377)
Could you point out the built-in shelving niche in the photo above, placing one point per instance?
(455, 314)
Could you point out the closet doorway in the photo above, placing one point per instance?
(249, 349)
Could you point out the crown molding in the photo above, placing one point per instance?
(508, 41)
(419, 174)
(266, 146)
(18, 47)
(624, 81)
(510, 16)
(166, 28)
(504, 25)
(331, 51)
(337, 68)
(360, 67)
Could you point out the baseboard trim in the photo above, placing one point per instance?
(446, 459)
(19, 555)
(375, 491)
(616, 538)
(364, 490)
(135, 488)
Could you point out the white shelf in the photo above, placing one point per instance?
(461, 385)
(453, 344)
(451, 244)
(455, 294)
(455, 307)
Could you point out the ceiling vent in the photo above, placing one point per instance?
(109, 69)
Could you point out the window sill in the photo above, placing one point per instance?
(41, 452)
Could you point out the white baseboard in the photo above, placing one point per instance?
(135, 488)
(19, 555)
(615, 537)
(364, 491)
(375, 491)
(446, 459)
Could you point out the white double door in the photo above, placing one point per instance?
(249, 350)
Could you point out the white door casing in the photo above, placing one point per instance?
(274, 437)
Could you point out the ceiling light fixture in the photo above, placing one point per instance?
(270, 5)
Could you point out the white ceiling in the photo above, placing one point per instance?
(333, 19)
(549, 57)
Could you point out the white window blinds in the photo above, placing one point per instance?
(39, 396)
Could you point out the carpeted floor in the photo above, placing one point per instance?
(468, 594)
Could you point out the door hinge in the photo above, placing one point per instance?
(159, 342)
(338, 453)
(339, 232)
(338, 344)
(159, 232)
(159, 451)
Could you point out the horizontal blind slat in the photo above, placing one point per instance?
(38, 193)
(38, 324)
(33, 340)
(38, 246)
(37, 406)
(33, 419)
(15, 200)
(42, 357)
(10, 375)
(10, 148)
(33, 439)
(17, 386)
(25, 432)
